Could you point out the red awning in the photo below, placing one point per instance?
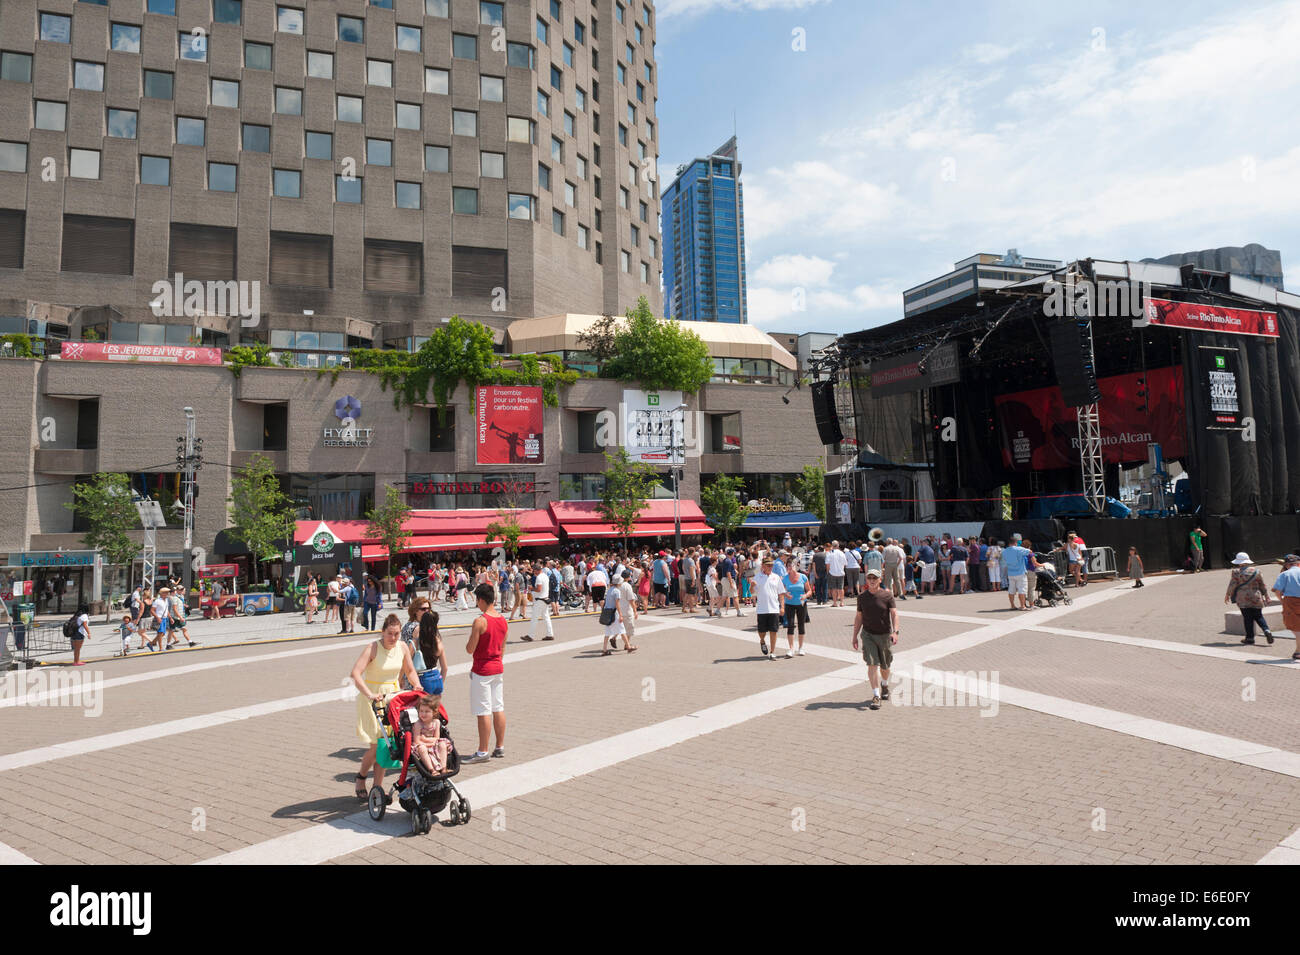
(464, 529)
(642, 529)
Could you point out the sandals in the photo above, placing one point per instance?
(605, 653)
(360, 788)
(632, 649)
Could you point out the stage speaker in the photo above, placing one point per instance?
(828, 423)
(1071, 344)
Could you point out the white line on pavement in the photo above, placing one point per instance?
(1193, 649)
(326, 841)
(141, 734)
(11, 856)
(1286, 852)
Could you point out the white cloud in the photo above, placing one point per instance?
(676, 8)
(815, 196)
(803, 270)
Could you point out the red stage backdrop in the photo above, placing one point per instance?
(508, 425)
(1210, 318)
(1040, 433)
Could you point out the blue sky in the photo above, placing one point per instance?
(907, 136)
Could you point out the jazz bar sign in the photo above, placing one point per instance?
(347, 434)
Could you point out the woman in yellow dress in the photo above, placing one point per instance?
(376, 676)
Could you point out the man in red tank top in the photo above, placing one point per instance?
(487, 642)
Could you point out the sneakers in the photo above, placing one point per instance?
(874, 704)
(527, 638)
(498, 753)
(548, 637)
(884, 691)
(1268, 634)
(771, 656)
(800, 652)
(1248, 642)
(789, 654)
(478, 757)
(762, 646)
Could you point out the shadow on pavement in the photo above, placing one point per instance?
(322, 810)
(837, 706)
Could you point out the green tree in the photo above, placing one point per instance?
(659, 354)
(721, 502)
(259, 511)
(387, 525)
(506, 529)
(810, 488)
(627, 486)
(104, 503)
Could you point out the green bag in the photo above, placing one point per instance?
(384, 757)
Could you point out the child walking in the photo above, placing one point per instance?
(1135, 570)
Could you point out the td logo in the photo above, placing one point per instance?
(1218, 361)
(652, 399)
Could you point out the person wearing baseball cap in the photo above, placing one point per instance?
(1287, 589)
(877, 620)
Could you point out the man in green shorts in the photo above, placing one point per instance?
(877, 620)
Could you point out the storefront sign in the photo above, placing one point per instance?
(218, 570)
(896, 376)
(347, 435)
(508, 425)
(1209, 318)
(473, 487)
(655, 428)
(69, 558)
(107, 351)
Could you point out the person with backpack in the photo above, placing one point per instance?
(351, 600)
(176, 621)
(1246, 589)
(557, 592)
(372, 601)
(77, 630)
(161, 611)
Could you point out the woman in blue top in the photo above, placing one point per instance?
(796, 603)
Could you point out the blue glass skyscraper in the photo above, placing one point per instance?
(704, 240)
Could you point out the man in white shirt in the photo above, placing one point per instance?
(894, 557)
(836, 562)
(597, 581)
(161, 611)
(770, 592)
(541, 603)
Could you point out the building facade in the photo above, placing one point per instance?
(704, 240)
(369, 168)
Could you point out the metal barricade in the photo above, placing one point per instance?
(1100, 562)
(33, 641)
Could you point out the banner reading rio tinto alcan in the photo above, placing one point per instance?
(105, 351)
(508, 425)
(1209, 318)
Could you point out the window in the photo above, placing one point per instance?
(442, 431)
(579, 32)
(226, 93)
(636, 236)
(436, 8)
(100, 245)
(654, 247)
(519, 129)
(288, 101)
(491, 14)
(581, 99)
(622, 135)
(544, 176)
(379, 73)
(124, 38)
(622, 73)
(409, 38)
(464, 201)
(320, 65)
(222, 176)
(543, 103)
(543, 31)
(319, 145)
(624, 261)
(584, 236)
(257, 56)
(301, 260)
(289, 20)
(436, 80)
(477, 272)
(519, 54)
(256, 139)
(599, 258)
(13, 157)
(640, 37)
(557, 78)
(13, 231)
(645, 15)
(631, 115)
(557, 149)
(649, 130)
(464, 122)
(645, 272)
(464, 46)
(379, 152)
(51, 115)
(352, 30)
(567, 55)
(555, 10)
(631, 173)
(640, 92)
(407, 195)
(437, 159)
(56, 28)
(121, 123)
(645, 212)
(622, 197)
(349, 109)
(521, 207)
(598, 229)
(570, 194)
(386, 4)
(227, 11)
(582, 168)
(649, 73)
(192, 46)
(347, 189)
(492, 89)
(190, 131)
(287, 183)
(630, 51)
(83, 164)
(394, 266)
(569, 124)
(408, 116)
(155, 171)
(557, 222)
(157, 85)
(492, 165)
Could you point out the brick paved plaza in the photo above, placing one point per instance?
(1126, 728)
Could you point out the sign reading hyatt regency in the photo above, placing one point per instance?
(347, 410)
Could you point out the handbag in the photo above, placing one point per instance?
(431, 680)
(606, 616)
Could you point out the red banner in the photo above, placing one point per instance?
(1039, 433)
(218, 570)
(508, 425)
(1210, 318)
(105, 351)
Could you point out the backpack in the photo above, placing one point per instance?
(129, 602)
(70, 628)
(354, 598)
(556, 583)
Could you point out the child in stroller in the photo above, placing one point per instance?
(1049, 587)
(569, 599)
(405, 745)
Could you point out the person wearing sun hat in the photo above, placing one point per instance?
(1246, 589)
(1287, 588)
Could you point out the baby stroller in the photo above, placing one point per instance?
(419, 793)
(1050, 590)
(570, 599)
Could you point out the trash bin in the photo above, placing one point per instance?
(24, 613)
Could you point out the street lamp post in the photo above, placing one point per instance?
(678, 474)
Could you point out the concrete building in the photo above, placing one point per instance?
(372, 167)
(704, 240)
(984, 270)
